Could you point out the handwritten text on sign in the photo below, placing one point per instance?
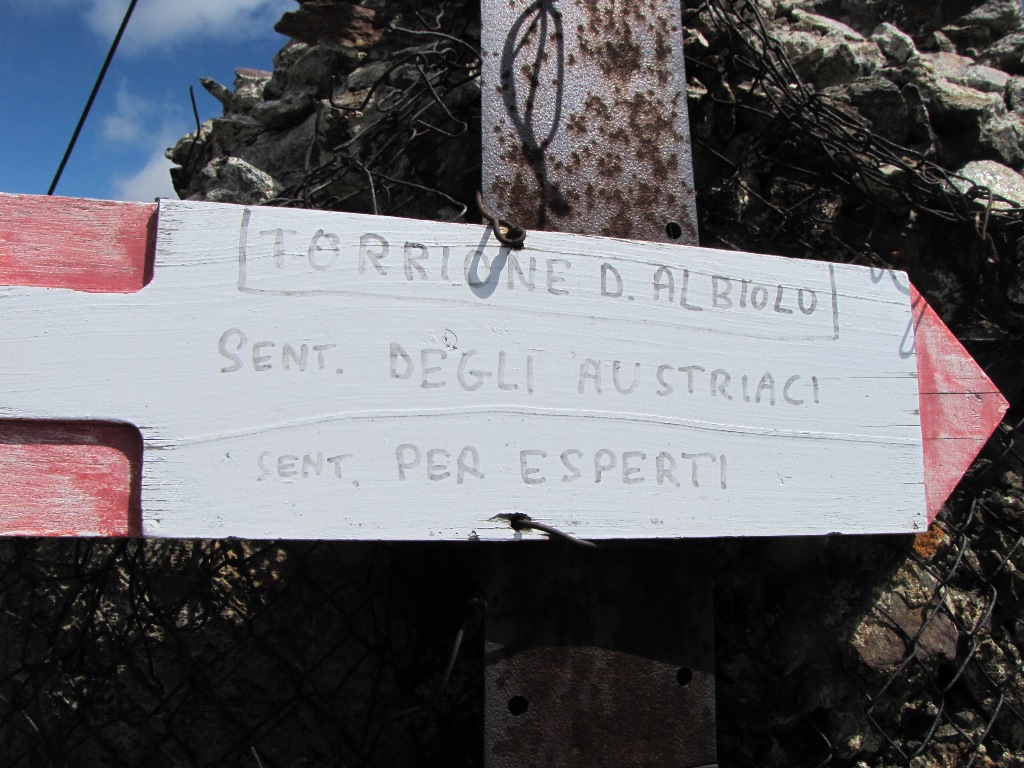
(306, 374)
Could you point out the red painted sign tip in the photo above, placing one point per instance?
(960, 406)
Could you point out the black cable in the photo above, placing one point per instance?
(92, 96)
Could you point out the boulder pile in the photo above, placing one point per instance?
(370, 107)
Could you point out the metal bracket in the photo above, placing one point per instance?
(598, 657)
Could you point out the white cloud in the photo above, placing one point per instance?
(159, 22)
(139, 129)
(128, 123)
(162, 22)
(151, 181)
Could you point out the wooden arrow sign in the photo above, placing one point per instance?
(321, 375)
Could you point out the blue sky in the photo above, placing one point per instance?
(51, 52)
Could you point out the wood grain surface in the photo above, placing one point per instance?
(64, 478)
(318, 375)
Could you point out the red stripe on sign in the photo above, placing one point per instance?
(72, 479)
(87, 245)
(960, 406)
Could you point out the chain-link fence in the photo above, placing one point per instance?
(840, 651)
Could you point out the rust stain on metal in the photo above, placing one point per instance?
(593, 658)
(598, 658)
(588, 93)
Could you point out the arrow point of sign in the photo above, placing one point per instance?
(960, 406)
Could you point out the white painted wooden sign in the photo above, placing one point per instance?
(308, 374)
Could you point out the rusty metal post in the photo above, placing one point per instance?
(584, 118)
(596, 657)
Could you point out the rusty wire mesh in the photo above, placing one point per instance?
(416, 152)
(217, 653)
(859, 651)
(864, 651)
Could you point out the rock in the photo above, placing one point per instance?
(953, 107)
(997, 16)
(823, 26)
(880, 102)
(1015, 290)
(283, 61)
(233, 180)
(919, 126)
(219, 92)
(232, 131)
(942, 42)
(987, 79)
(249, 84)
(319, 66)
(1015, 93)
(282, 154)
(907, 609)
(894, 43)
(963, 71)
(1003, 138)
(367, 75)
(404, 76)
(797, 45)
(767, 8)
(1003, 181)
(332, 23)
(830, 60)
(291, 52)
(293, 108)
(189, 145)
(1007, 53)
(985, 23)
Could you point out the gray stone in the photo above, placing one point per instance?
(830, 60)
(282, 154)
(797, 45)
(233, 180)
(910, 607)
(289, 54)
(988, 79)
(768, 8)
(189, 144)
(283, 60)
(293, 108)
(997, 16)
(987, 22)
(954, 107)
(232, 131)
(219, 92)
(1003, 137)
(1003, 181)
(404, 76)
(963, 71)
(320, 66)
(1007, 53)
(943, 43)
(249, 85)
(879, 101)
(894, 43)
(1015, 93)
(367, 75)
(1015, 291)
(919, 124)
(802, 21)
